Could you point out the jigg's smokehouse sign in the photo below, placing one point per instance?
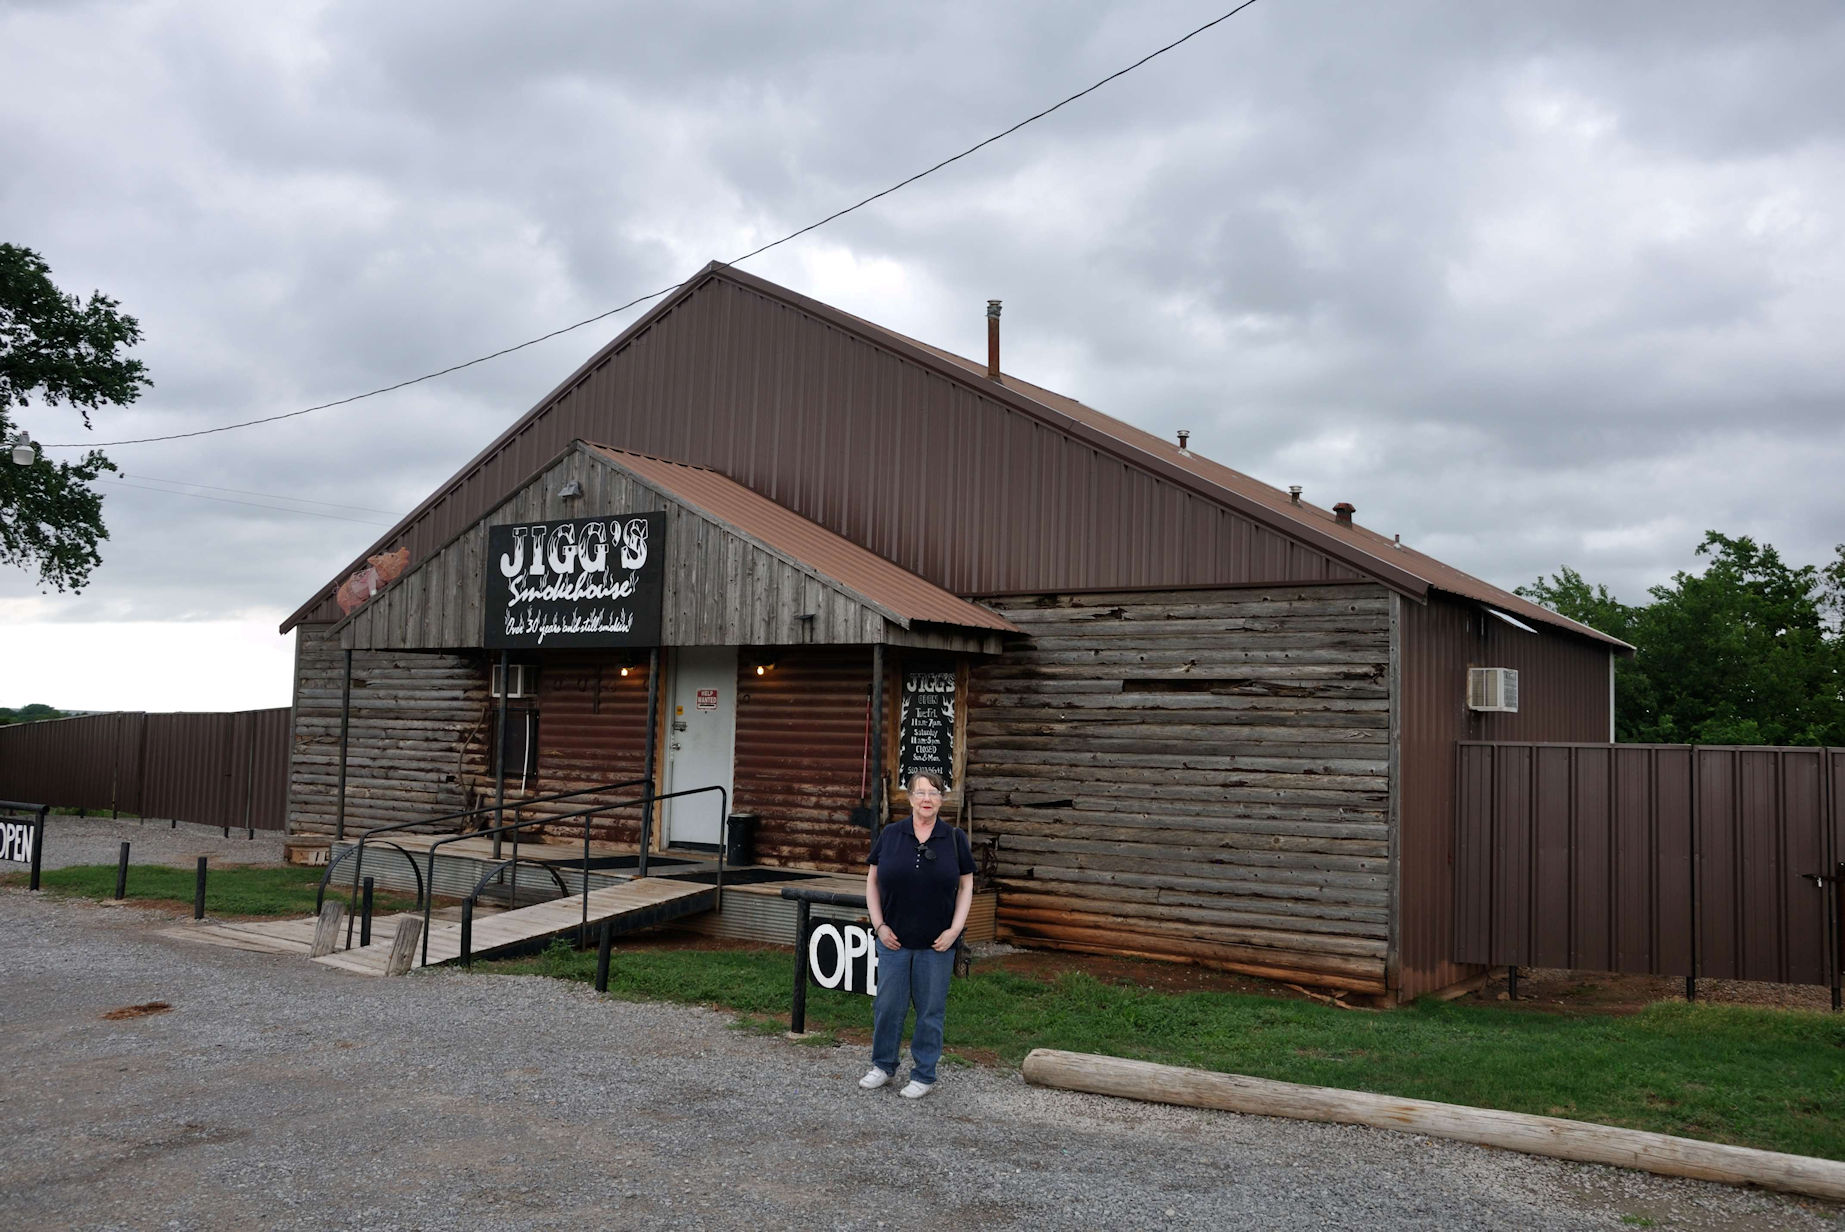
(586, 582)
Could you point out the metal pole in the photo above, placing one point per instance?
(339, 824)
(653, 701)
(121, 873)
(365, 915)
(198, 892)
(797, 1021)
(467, 934)
(38, 845)
(1838, 920)
(602, 955)
(877, 739)
(1511, 983)
(499, 758)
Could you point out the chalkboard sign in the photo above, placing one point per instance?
(926, 725)
(588, 582)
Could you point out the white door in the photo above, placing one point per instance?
(701, 738)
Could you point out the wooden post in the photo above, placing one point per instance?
(327, 929)
(653, 728)
(1515, 1131)
(877, 739)
(339, 823)
(403, 945)
(499, 759)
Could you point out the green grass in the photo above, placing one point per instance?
(1773, 1079)
(231, 890)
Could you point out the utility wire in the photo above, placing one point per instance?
(641, 299)
(212, 487)
(230, 500)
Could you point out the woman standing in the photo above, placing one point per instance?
(919, 887)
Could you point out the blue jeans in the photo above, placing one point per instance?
(906, 978)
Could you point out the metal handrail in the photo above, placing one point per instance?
(723, 827)
(352, 898)
(500, 868)
(320, 894)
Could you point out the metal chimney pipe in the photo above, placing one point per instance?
(992, 340)
(1184, 436)
(1343, 511)
(1294, 494)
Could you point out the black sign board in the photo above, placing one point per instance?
(926, 725)
(588, 582)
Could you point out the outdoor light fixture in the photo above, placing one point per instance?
(25, 453)
(570, 490)
(765, 667)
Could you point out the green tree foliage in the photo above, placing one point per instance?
(28, 714)
(1750, 651)
(61, 350)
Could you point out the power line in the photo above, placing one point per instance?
(299, 500)
(754, 252)
(229, 500)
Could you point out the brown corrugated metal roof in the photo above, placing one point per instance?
(1276, 504)
(878, 581)
(1372, 554)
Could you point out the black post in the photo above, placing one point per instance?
(603, 950)
(877, 738)
(1838, 921)
(467, 934)
(198, 892)
(797, 1021)
(499, 760)
(38, 844)
(365, 915)
(653, 729)
(339, 823)
(249, 782)
(1511, 983)
(1691, 988)
(121, 873)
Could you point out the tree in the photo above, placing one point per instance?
(1750, 651)
(59, 349)
(36, 712)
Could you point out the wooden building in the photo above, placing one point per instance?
(1185, 714)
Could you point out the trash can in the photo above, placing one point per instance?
(740, 840)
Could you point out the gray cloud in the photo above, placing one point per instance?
(1531, 285)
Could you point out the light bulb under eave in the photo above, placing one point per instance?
(761, 670)
(624, 671)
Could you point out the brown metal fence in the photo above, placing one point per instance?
(228, 770)
(1659, 859)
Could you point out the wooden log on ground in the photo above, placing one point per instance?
(1513, 1131)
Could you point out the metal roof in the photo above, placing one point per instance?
(780, 529)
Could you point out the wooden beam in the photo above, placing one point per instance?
(1515, 1131)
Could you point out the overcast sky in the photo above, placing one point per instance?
(1531, 285)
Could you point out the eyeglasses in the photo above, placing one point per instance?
(926, 852)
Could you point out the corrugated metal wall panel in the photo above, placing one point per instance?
(592, 728)
(1623, 857)
(801, 732)
(817, 419)
(225, 769)
(1563, 696)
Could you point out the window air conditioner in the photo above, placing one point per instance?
(1493, 689)
(524, 680)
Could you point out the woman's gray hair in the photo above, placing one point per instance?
(930, 777)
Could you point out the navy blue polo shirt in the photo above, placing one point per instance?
(917, 893)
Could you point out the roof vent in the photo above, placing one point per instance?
(1343, 511)
(1184, 436)
(992, 340)
(1294, 494)
(1493, 689)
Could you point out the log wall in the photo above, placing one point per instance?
(412, 715)
(1193, 775)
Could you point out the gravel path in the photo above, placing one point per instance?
(97, 840)
(280, 1094)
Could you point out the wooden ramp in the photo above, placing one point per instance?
(631, 905)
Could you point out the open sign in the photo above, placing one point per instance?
(843, 956)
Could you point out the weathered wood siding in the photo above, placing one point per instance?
(801, 755)
(411, 716)
(1198, 775)
(723, 589)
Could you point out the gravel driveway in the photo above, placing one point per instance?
(284, 1095)
(97, 840)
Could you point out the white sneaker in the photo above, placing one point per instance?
(875, 1078)
(916, 1090)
